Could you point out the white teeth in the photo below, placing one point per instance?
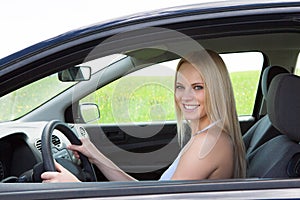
(190, 107)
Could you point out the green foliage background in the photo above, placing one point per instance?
(146, 99)
(130, 99)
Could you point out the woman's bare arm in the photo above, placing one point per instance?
(206, 157)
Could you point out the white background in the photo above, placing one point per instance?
(26, 22)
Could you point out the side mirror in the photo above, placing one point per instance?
(76, 73)
(89, 112)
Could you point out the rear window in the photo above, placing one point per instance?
(244, 69)
(297, 68)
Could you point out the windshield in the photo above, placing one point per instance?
(22, 101)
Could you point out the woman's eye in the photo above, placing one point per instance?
(198, 87)
(179, 87)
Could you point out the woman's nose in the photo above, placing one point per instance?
(187, 94)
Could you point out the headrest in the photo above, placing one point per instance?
(283, 105)
(268, 74)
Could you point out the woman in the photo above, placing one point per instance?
(206, 118)
(204, 101)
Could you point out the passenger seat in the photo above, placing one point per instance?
(280, 156)
(262, 130)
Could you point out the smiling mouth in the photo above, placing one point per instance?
(190, 107)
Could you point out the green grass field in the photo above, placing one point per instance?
(145, 99)
(245, 87)
(22, 101)
(131, 99)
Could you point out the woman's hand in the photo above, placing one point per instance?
(111, 171)
(61, 175)
(87, 148)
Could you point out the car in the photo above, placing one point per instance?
(113, 83)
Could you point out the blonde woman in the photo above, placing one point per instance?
(205, 104)
(207, 120)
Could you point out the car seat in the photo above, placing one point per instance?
(279, 157)
(262, 130)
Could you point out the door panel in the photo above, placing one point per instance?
(129, 148)
(145, 158)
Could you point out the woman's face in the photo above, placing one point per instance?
(190, 93)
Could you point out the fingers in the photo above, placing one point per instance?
(76, 154)
(58, 167)
(62, 175)
(87, 148)
(49, 177)
(84, 141)
(74, 150)
(74, 147)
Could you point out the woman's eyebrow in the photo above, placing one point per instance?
(198, 83)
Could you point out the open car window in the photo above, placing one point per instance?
(147, 95)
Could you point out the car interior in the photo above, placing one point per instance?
(269, 131)
(278, 157)
(263, 130)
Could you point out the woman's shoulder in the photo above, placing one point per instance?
(211, 142)
(206, 155)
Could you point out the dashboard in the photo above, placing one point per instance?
(20, 147)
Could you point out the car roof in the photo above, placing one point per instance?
(222, 26)
(217, 7)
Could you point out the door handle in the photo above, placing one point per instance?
(116, 136)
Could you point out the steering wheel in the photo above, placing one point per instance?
(84, 172)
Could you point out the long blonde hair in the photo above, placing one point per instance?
(219, 102)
